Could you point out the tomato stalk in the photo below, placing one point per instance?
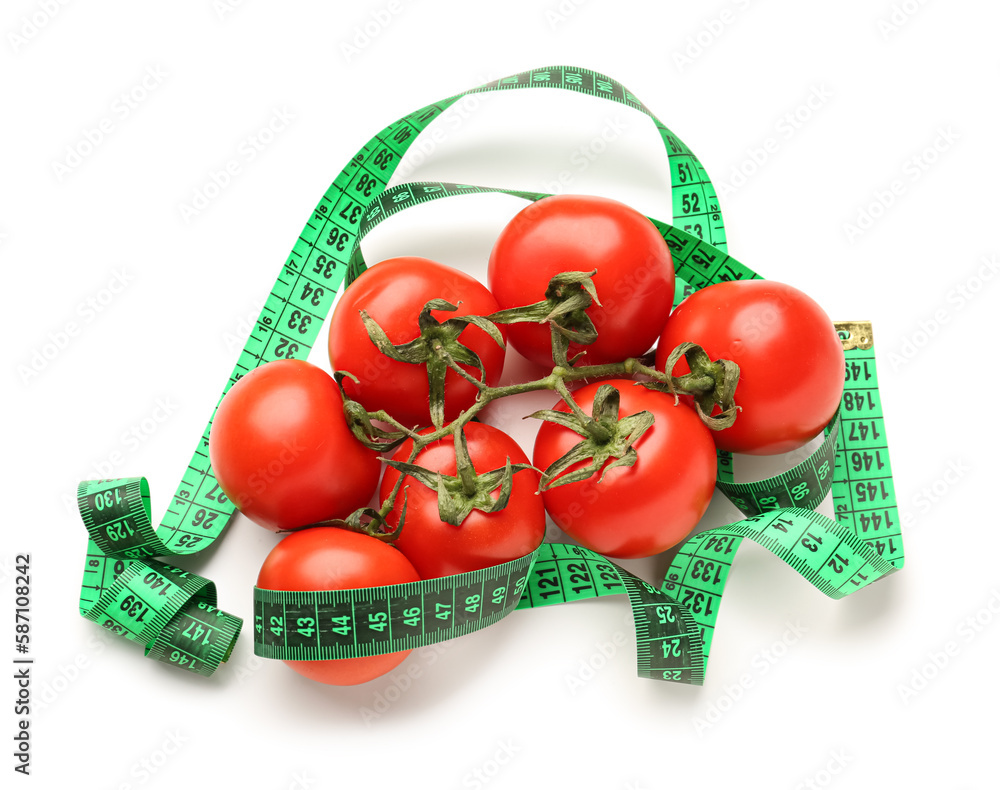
(605, 436)
(468, 490)
(370, 521)
(437, 346)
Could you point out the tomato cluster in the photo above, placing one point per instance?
(625, 469)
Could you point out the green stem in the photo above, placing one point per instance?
(463, 463)
(701, 384)
(479, 385)
(597, 432)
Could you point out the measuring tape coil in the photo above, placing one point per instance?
(674, 623)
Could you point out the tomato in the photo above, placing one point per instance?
(281, 450)
(329, 558)
(634, 279)
(791, 360)
(483, 539)
(393, 292)
(643, 509)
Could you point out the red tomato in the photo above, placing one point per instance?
(634, 279)
(393, 292)
(483, 539)
(640, 510)
(281, 450)
(328, 558)
(791, 360)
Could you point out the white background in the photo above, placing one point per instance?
(800, 689)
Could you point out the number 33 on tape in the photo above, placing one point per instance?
(173, 613)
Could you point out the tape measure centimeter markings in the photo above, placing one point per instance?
(674, 625)
(856, 451)
(805, 485)
(693, 196)
(834, 560)
(864, 496)
(697, 263)
(697, 576)
(668, 655)
(336, 624)
(303, 295)
(171, 612)
(668, 640)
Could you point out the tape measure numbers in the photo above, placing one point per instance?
(864, 498)
(303, 295)
(673, 624)
(171, 612)
(363, 622)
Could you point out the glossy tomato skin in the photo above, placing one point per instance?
(634, 279)
(644, 509)
(393, 292)
(281, 450)
(791, 360)
(483, 539)
(329, 558)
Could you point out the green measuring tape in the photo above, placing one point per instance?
(170, 611)
(673, 624)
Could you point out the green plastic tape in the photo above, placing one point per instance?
(805, 485)
(171, 612)
(673, 623)
(375, 620)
